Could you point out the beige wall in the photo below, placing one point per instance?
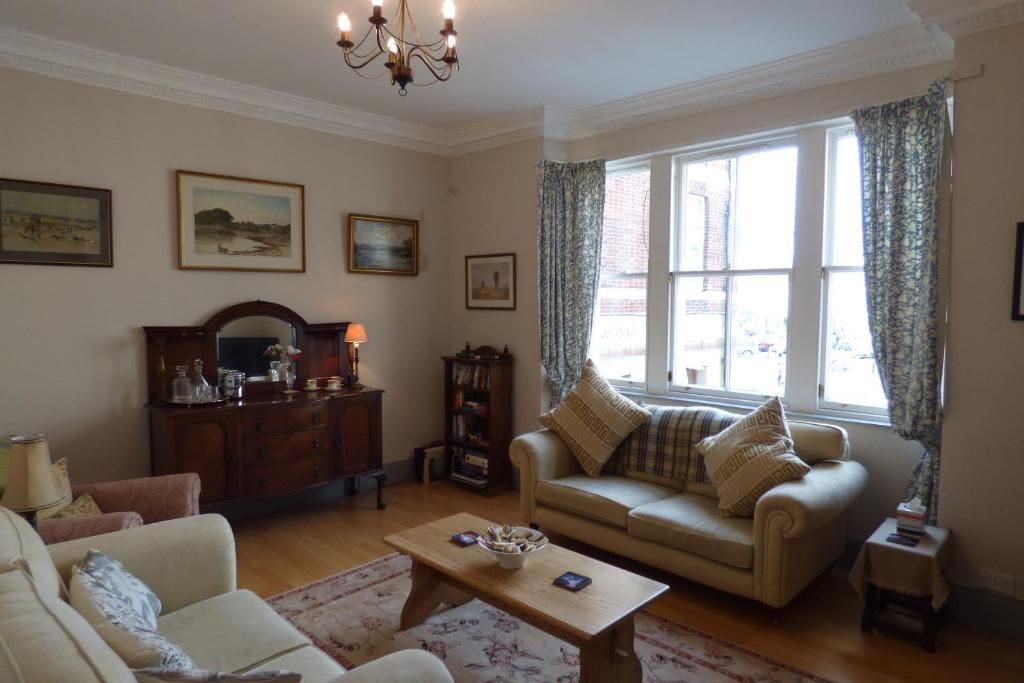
(494, 210)
(72, 357)
(983, 442)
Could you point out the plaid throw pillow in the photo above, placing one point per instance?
(593, 419)
(667, 445)
(751, 457)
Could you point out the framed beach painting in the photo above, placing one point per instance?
(229, 223)
(491, 281)
(59, 225)
(377, 244)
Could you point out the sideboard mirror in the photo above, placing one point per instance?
(242, 344)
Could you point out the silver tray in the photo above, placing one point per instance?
(214, 402)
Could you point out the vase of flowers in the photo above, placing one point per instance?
(285, 358)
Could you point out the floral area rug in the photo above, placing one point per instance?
(354, 616)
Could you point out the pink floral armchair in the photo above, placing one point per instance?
(128, 503)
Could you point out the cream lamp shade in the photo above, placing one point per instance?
(32, 482)
(355, 334)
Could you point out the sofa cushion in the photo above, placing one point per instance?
(752, 456)
(234, 631)
(607, 499)
(691, 523)
(200, 676)
(124, 612)
(593, 419)
(666, 447)
(312, 663)
(44, 640)
(18, 540)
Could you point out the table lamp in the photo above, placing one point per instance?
(355, 335)
(31, 479)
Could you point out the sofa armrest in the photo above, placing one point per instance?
(405, 666)
(70, 528)
(539, 456)
(183, 561)
(155, 498)
(805, 504)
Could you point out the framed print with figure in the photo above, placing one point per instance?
(491, 282)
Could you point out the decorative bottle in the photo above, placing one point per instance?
(181, 387)
(200, 387)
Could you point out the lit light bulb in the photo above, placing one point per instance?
(378, 3)
(451, 42)
(344, 25)
(392, 46)
(448, 9)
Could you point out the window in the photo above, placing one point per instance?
(619, 337)
(757, 275)
(730, 297)
(849, 376)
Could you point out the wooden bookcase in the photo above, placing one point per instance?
(478, 418)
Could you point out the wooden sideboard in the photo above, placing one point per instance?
(268, 442)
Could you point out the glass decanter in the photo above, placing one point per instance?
(181, 387)
(200, 387)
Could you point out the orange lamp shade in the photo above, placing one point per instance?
(355, 334)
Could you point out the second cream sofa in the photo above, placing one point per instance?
(798, 529)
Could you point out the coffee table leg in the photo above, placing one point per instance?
(611, 657)
(426, 594)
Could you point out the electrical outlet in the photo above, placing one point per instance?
(1004, 584)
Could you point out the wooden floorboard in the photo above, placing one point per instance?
(819, 632)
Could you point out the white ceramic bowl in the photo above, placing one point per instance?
(516, 560)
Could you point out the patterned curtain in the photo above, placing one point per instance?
(570, 215)
(905, 173)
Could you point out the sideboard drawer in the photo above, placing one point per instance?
(286, 476)
(265, 450)
(284, 420)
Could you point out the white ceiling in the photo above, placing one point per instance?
(516, 54)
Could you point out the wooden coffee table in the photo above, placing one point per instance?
(598, 619)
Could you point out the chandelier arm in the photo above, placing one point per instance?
(425, 55)
(430, 67)
(401, 41)
(356, 67)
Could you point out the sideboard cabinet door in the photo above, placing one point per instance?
(357, 424)
(208, 444)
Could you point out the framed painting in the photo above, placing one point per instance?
(491, 282)
(1018, 276)
(229, 223)
(58, 225)
(377, 244)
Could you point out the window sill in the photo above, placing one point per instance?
(727, 404)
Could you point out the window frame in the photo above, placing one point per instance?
(833, 135)
(622, 168)
(807, 307)
(678, 225)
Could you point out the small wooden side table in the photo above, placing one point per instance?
(883, 568)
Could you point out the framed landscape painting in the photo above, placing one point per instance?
(229, 223)
(491, 281)
(377, 244)
(63, 225)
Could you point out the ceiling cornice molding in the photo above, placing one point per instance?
(42, 55)
(960, 17)
(901, 48)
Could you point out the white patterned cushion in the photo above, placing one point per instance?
(157, 675)
(750, 457)
(593, 419)
(124, 611)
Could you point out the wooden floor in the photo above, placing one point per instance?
(819, 631)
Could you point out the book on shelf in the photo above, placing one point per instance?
(466, 429)
(469, 480)
(472, 376)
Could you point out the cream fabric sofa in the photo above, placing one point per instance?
(798, 528)
(190, 564)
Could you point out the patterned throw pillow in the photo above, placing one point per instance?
(197, 676)
(751, 457)
(84, 506)
(593, 419)
(124, 611)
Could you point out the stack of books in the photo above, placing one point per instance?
(470, 468)
(910, 518)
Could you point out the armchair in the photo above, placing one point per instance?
(127, 503)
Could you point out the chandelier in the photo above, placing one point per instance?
(399, 43)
